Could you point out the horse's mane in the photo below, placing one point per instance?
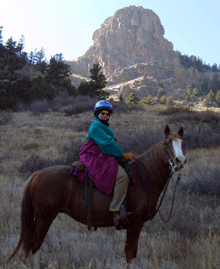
(152, 157)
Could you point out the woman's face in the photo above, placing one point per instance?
(104, 115)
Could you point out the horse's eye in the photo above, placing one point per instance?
(167, 143)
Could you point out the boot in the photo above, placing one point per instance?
(121, 221)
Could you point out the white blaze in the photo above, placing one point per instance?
(177, 146)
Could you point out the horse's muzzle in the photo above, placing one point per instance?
(179, 163)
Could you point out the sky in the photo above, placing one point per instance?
(67, 26)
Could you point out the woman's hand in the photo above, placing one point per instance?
(128, 156)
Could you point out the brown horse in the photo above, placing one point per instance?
(53, 190)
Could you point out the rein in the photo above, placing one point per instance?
(164, 192)
(172, 168)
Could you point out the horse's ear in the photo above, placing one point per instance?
(181, 131)
(167, 130)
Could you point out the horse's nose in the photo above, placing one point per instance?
(177, 160)
(180, 159)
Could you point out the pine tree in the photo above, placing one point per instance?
(149, 100)
(210, 97)
(98, 81)
(57, 73)
(160, 93)
(94, 87)
(11, 59)
(169, 101)
(217, 98)
(132, 99)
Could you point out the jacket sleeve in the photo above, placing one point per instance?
(106, 142)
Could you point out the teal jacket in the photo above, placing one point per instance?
(103, 136)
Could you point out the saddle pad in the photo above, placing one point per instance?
(75, 172)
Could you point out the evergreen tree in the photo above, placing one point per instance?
(149, 100)
(214, 68)
(195, 92)
(210, 97)
(189, 90)
(57, 73)
(160, 93)
(41, 90)
(1, 27)
(170, 101)
(205, 87)
(94, 87)
(38, 58)
(84, 88)
(98, 81)
(217, 98)
(185, 96)
(215, 84)
(12, 58)
(1, 44)
(163, 99)
(22, 90)
(132, 99)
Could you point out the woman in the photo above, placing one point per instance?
(99, 155)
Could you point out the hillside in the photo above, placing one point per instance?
(30, 141)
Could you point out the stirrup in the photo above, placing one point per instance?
(123, 221)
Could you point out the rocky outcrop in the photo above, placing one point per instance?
(130, 46)
(132, 36)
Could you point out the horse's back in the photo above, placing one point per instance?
(49, 187)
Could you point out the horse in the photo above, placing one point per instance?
(53, 190)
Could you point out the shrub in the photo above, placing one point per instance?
(169, 101)
(148, 100)
(160, 93)
(73, 152)
(137, 141)
(80, 104)
(175, 109)
(121, 107)
(217, 98)
(35, 163)
(132, 99)
(163, 99)
(210, 97)
(5, 116)
(38, 107)
(41, 90)
(205, 184)
(201, 128)
(30, 146)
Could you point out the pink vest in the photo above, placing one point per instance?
(102, 168)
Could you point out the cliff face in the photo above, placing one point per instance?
(133, 35)
(130, 46)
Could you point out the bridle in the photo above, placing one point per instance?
(171, 163)
(172, 168)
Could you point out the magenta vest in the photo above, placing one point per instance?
(102, 168)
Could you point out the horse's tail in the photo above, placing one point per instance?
(27, 221)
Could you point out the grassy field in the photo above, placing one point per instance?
(39, 137)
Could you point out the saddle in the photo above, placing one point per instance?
(80, 171)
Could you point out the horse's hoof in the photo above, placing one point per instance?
(129, 216)
(118, 225)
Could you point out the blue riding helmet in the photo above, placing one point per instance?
(103, 104)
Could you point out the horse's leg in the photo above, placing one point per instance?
(42, 226)
(133, 234)
(36, 260)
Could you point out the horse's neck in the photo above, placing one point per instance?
(156, 164)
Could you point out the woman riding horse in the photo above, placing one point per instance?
(99, 156)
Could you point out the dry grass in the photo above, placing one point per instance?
(189, 240)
